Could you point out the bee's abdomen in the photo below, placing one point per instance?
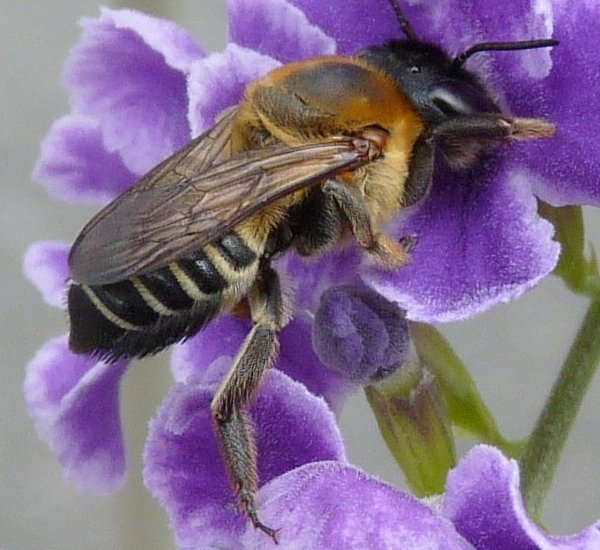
(144, 314)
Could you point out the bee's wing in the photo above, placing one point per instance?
(157, 222)
(208, 149)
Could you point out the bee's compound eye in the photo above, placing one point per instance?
(415, 69)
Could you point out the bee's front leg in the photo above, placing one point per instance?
(233, 424)
(383, 249)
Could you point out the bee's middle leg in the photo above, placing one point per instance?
(385, 250)
(234, 427)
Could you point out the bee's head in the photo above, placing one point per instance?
(437, 87)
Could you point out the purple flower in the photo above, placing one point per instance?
(313, 496)
(309, 490)
(483, 501)
(75, 403)
(141, 87)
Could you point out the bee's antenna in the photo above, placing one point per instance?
(403, 22)
(460, 59)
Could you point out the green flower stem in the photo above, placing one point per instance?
(545, 445)
(415, 426)
(467, 408)
(578, 272)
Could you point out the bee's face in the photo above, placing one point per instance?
(426, 74)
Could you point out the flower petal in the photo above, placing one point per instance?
(46, 266)
(75, 167)
(566, 169)
(218, 81)
(178, 48)
(129, 73)
(299, 361)
(209, 355)
(309, 278)
(74, 402)
(184, 469)
(484, 502)
(456, 26)
(480, 243)
(221, 338)
(333, 505)
(278, 29)
(355, 24)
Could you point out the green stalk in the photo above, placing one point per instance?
(466, 407)
(545, 445)
(415, 426)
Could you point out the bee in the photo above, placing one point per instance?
(317, 151)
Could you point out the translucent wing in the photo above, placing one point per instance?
(186, 203)
(208, 149)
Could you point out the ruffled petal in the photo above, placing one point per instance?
(278, 29)
(129, 73)
(336, 506)
(184, 469)
(74, 402)
(178, 48)
(46, 266)
(209, 355)
(484, 502)
(218, 81)
(74, 165)
(480, 243)
(353, 24)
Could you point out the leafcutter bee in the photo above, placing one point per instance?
(316, 150)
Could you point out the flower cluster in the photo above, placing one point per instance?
(140, 88)
(314, 496)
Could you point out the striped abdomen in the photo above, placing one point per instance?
(144, 314)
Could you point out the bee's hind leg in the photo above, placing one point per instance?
(234, 427)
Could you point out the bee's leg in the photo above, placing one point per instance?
(385, 250)
(233, 425)
(420, 172)
(493, 126)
